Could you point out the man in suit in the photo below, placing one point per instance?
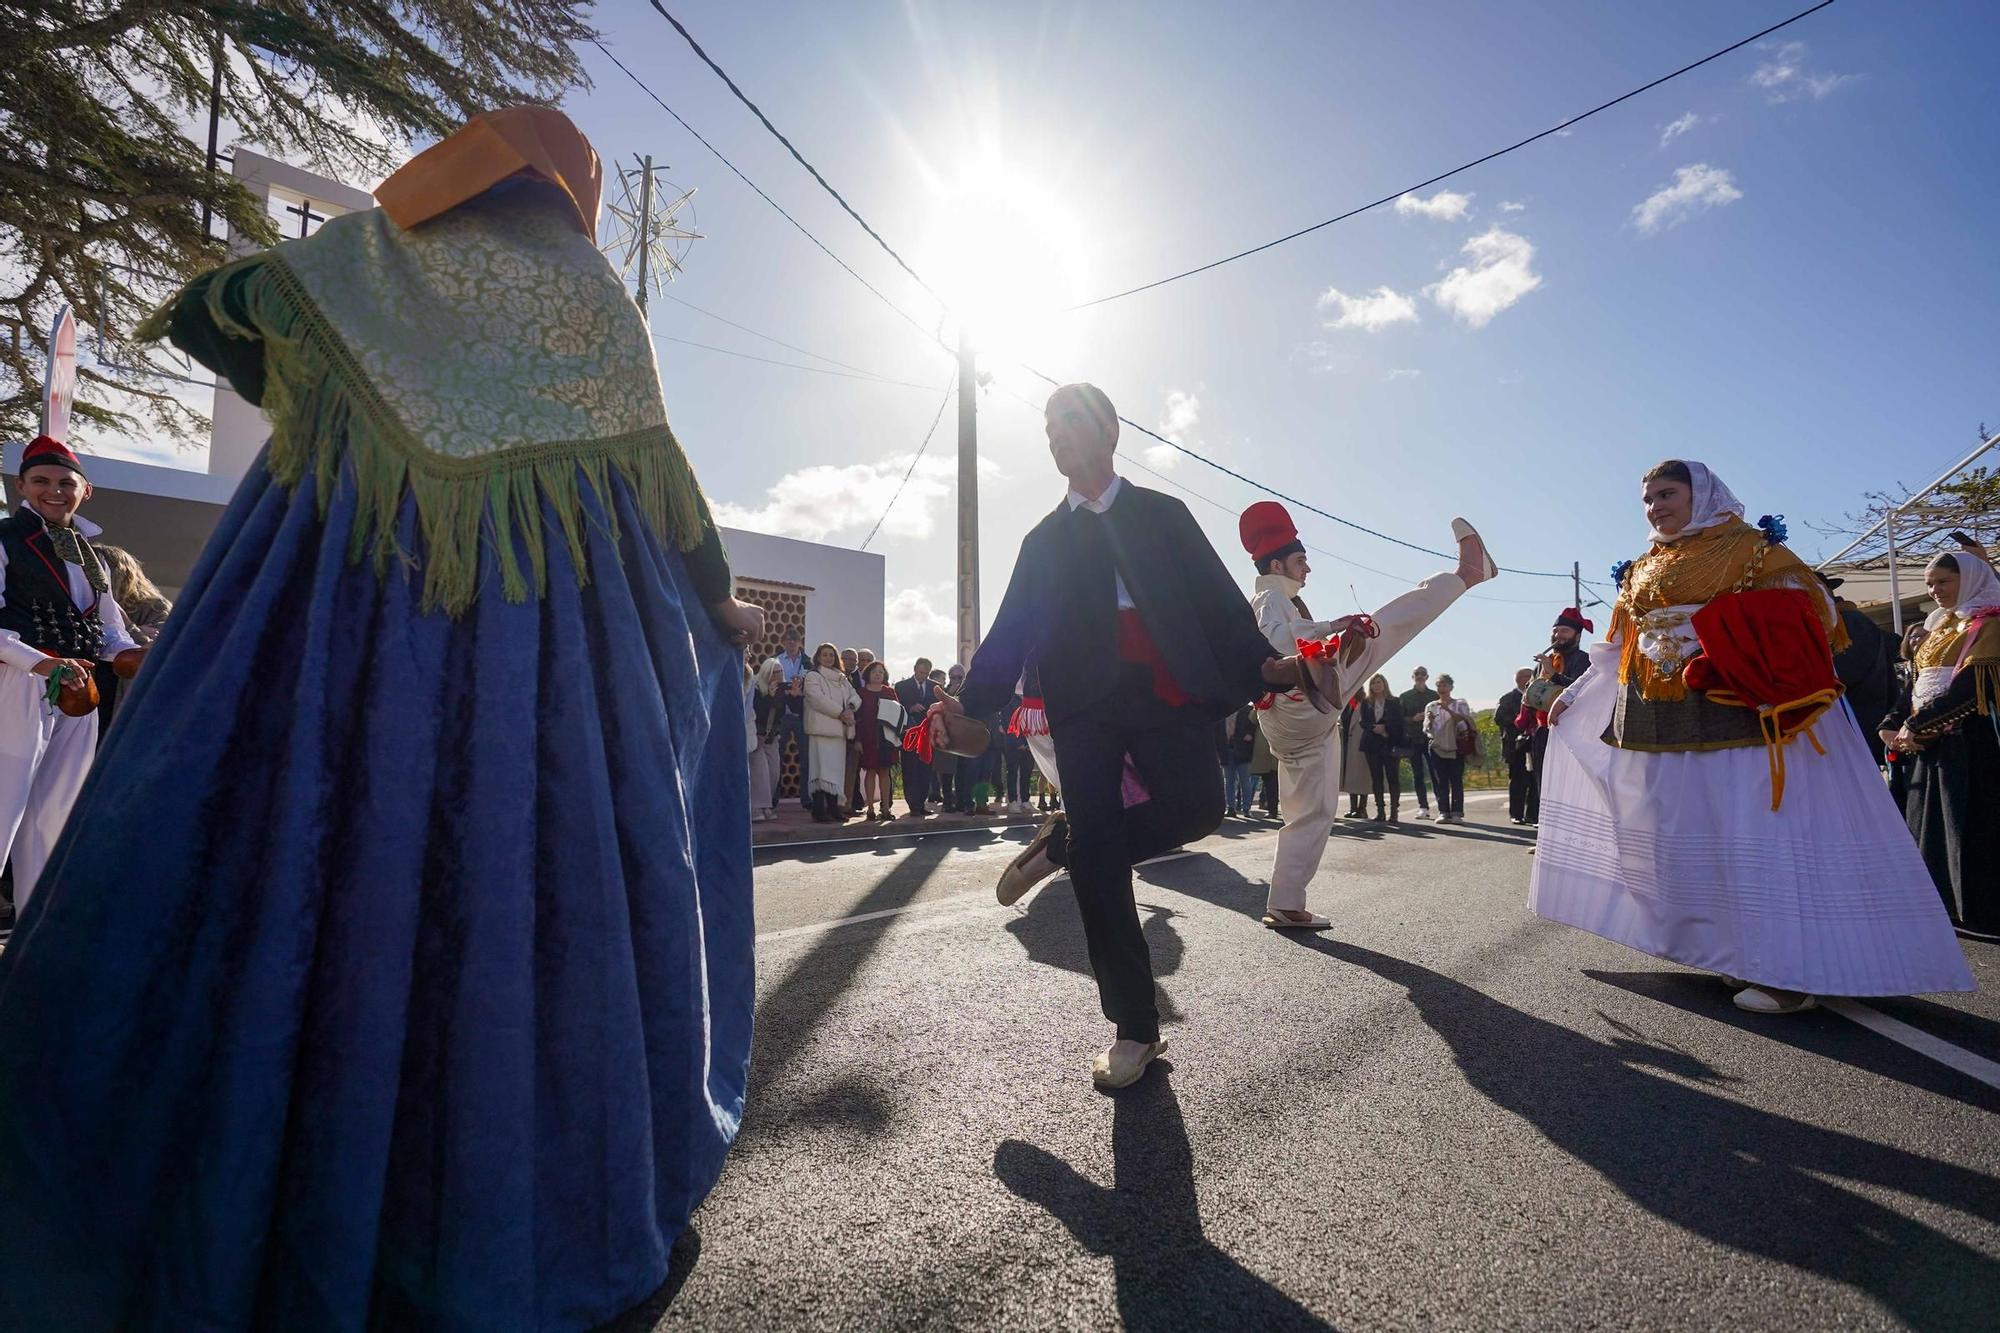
(916, 694)
(1513, 746)
(1143, 642)
(1866, 667)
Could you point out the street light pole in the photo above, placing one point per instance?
(968, 500)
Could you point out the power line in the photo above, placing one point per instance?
(790, 347)
(1214, 503)
(1302, 504)
(797, 156)
(821, 245)
(793, 365)
(910, 471)
(1447, 175)
(890, 251)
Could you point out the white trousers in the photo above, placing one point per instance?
(44, 755)
(1306, 742)
(1043, 748)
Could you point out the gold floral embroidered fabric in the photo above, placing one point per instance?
(492, 327)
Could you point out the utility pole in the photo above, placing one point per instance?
(645, 225)
(1576, 583)
(968, 500)
(214, 114)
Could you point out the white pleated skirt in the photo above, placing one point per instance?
(1681, 856)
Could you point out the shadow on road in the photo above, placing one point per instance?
(1821, 1033)
(680, 1266)
(1050, 931)
(810, 988)
(1757, 1182)
(1168, 1273)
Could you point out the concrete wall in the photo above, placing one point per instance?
(845, 604)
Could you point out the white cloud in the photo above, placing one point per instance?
(1377, 310)
(815, 502)
(1445, 205)
(1675, 129)
(919, 622)
(1403, 373)
(1784, 77)
(1695, 189)
(1511, 207)
(1499, 275)
(1177, 422)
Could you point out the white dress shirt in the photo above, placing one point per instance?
(1098, 506)
(15, 652)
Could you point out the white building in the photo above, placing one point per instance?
(164, 515)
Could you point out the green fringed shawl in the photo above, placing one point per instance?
(482, 364)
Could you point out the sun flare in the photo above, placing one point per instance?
(1007, 257)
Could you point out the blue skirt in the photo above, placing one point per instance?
(394, 970)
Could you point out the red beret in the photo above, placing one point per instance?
(45, 450)
(1267, 530)
(1574, 619)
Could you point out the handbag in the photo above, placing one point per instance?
(1468, 739)
(889, 714)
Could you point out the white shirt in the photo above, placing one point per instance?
(15, 652)
(1077, 500)
(1279, 618)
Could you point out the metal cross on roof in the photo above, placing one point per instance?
(646, 238)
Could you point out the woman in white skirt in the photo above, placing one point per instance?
(1658, 823)
(830, 704)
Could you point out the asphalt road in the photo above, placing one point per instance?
(1442, 1113)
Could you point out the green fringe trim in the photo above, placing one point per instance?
(325, 414)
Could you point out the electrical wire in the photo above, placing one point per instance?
(890, 251)
(790, 347)
(907, 316)
(797, 156)
(790, 365)
(1293, 500)
(911, 470)
(1446, 175)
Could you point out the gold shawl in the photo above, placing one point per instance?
(1731, 557)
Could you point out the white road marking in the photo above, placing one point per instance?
(820, 927)
(1923, 1043)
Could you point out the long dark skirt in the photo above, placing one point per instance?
(394, 970)
(1953, 808)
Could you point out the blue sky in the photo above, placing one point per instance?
(1805, 303)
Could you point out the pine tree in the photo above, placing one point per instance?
(104, 186)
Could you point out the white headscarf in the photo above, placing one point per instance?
(1978, 590)
(1714, 503)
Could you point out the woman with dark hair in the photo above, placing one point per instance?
(830, 702)
(1381, 733)
(1899, 764)
(1681, 816)
(1952, 729)
(878, 729)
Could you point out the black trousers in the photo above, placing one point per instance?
(1448, 782)
(1539, 747)
(1174, 753)
(916, 782)
(1517, 781)
(1385, 770)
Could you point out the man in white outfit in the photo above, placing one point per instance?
(1304, 740)
(56, 612)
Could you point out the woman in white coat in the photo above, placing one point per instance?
(830, 703)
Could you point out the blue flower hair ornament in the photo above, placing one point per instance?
(1618, 573)
(1774, 529)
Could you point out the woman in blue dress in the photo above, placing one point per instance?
(394, 969)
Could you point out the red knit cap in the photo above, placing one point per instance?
(43, 450)
(1267, 532)
(1573, 618)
